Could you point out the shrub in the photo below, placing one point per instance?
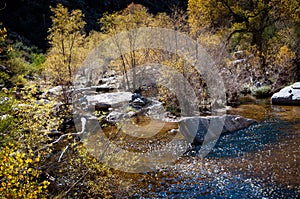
(261, 92)
(18, 175)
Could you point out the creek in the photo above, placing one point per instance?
(262, 161)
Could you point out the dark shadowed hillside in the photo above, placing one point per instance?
(31, 19)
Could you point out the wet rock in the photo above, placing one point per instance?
(136, 96)
(137, 103)
(289, 95)
(115, 116)
(196, 130)
(170, 117)
(131, 114)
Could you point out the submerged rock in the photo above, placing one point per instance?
(196, 130)
(289, 95)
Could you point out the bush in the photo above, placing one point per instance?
(18, 175)
(246, 89)
(261, 92)
(4, 78)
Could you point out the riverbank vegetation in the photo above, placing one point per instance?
(255, 45)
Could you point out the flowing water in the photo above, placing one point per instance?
(262, 161)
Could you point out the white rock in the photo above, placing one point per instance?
(296, 85)
(113, 99)
(289, 95)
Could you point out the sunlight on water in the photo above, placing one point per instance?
(262, 161)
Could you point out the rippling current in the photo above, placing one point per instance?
(262, 161)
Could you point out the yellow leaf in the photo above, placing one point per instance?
(28, 160)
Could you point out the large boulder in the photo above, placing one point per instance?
(196, 130)
(289, 95)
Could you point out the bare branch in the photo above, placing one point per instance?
(62, 153)
(59, 140)
(83, 123)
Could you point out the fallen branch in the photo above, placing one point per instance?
(83, 123)
(59, 140)
(62, 153)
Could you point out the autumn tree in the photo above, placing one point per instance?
(133, 17)
(66, 37)
(252, 21)
(262, 29)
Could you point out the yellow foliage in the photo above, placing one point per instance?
(204, 14)
(18, 176)
(66, 38)
(3, 34)
(134, 16)
(286, 9)
(285, 57)
(211, 41)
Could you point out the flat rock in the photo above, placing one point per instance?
(196, 130)
(112, 99)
